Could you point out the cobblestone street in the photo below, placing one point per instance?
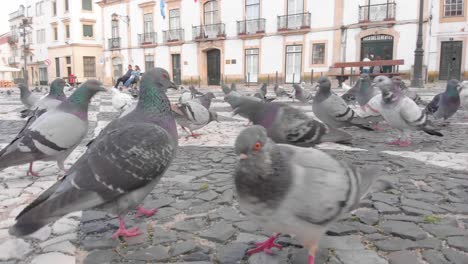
(423, 220)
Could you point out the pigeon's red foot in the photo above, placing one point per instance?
(265, 246)
(395, 142)
(404, 144)
(146, 212)
(124, 232)
(311, 259)
(31, 172)
(194, 135)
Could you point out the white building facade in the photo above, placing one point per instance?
(208, 41)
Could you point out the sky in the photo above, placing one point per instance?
(8, 7)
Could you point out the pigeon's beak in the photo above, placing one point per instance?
(172, 85)
(243, 156)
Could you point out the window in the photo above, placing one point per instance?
(67, 31)
(251, 65)
(252, 9)
(39, 10)
(66, 5)
(88, 31)
(293, 63)
(55, 32)
(87, 5)
(295, 7)
(40, 36)
(54, 8)
(57, 67)
(115, 28)
(453, 8)
(318, 53)
(68, 59)
(211, 12)
(174, 19)
(89, 66)
(29, 11)
(149, 62)
(148, 23)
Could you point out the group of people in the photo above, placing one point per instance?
(131, 77)
(372, 69)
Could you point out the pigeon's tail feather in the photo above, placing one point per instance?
(10, 158)
(337, 136)
(365, 127)
(432, 132)
(26, 112)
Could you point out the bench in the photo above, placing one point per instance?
(341, 77)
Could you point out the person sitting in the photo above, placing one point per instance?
(133, 77)
(366, 69)
(124, 78)
(377, 69)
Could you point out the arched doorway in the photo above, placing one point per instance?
(117, 68)
(378, 47)
(213, 63)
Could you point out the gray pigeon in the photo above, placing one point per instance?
(205, 99)
(463, 91)
(233, 87)
(446, 104)
(186, 96)
(55, 134)
(401, 112)
(262, 91)
(192, 115)
(301, 94)
(288, 125)
(194, 91)
(119, 169)
(350, 95)
(293, 190)
(333, 110)
(365, 91)
(55, 97)
(279, 91)
(8, 92)
(398, 81)
(27, 98)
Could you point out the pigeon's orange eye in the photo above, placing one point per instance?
(257, 146)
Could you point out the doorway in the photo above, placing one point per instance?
(213, 62)
(450, 60)
(176, 71)
(251, 65)
(43, 77)
(378, 47)
(293, 63)
(117, 68)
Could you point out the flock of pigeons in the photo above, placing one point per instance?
(280, 180)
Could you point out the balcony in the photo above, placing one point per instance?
(173, 35)
(17, 14)
(13, 39)
(209, 32)
(148, 38)
(251, 27)
(13, 60)
(377, 13)
(114, 43)
(294, 23)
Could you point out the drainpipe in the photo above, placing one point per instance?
(429, 38)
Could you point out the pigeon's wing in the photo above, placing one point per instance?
(121, 101)
(324, 188)
(336, 109)
(185, 97)
(433, 106)
(411, 113)
(122, 161)
(50, 135)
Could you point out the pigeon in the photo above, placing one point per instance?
(398, 81)
(302, 95)
(445, 104)
(333, 110)
(294, 190)
(279, 91)
(364, 90)
(55, 134)
(50, 102)
(262, 91)
(402, 113)
(119, 169)
(350, 95)
(192, 115)
(8, 92)
(194, 91)
(121, 101)
(226, 89)
(186, 96)
(205, 99)
(27, 97)
(233, 87)
(288, 125)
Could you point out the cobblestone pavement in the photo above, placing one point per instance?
(423, 220)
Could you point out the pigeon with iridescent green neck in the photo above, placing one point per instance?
(120, 168)
(27, 97)
(55, 134)
(55, 97)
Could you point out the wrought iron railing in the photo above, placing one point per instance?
(294, 21)
(376, 13)
(210, 31)
(251, 26)
(13, 60)
(173, 35)
(18, 13)
(147, 38)
(114, 43)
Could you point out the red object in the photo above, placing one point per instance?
(265, 246)
(71, 79)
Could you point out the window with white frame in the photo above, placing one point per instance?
(174, 19)
(148, 20)
(40, 36)
(39, 8)
(87, 5)
(252, 9)
(318, 53)
(149, 62)
(453, 8)
(115, 28)
(211, 12)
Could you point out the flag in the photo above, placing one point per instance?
(162, 7)
(195, 1)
